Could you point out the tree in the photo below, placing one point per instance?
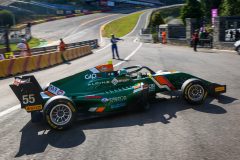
(156, 19)
(208, 5)
(230, 8)
(192, 9)
(6, 18)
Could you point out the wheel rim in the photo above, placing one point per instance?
(196, 92)
(60, 114)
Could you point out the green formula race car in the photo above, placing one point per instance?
(101, 91)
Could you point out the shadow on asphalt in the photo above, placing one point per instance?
(36, 137)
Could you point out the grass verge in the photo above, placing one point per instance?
(34, 42)
(122, 26)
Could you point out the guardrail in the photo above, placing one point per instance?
(145, 37)
(14, 66)
(92, 43)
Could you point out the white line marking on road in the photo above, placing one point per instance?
(3, 113)
(96, 19)
(103, 48)
(139, 19)
(129, 56)
(147, 20)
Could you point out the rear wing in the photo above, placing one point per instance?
(215, 89)
(28, 90)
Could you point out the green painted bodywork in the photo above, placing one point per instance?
(90, 91)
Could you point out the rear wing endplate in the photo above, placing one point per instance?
(28, 90)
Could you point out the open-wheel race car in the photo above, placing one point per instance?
(100, 91)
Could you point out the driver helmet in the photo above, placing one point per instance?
(122, 72)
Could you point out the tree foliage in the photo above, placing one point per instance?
(192, 9)
(202, 8)
(208, 5)
(156, 19)
(6, 18)
(230, 8)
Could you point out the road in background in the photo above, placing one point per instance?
(172, 129)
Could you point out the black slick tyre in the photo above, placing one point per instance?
(59, 112)
(194, 91)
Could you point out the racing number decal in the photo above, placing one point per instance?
(26, 99)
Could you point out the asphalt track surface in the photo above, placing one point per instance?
(172, 129)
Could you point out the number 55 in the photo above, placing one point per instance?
(28, 99)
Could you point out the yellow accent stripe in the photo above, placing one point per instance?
(34, 108)
(219, 89)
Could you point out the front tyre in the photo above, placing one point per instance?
(194, 91)
(60, 113)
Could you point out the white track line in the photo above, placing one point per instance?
(99, 50)
(101, 38)
(7, 111)
(139, 19)
(129, 56)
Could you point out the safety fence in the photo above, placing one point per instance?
(9, 67)
(92, 43)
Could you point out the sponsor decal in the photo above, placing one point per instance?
(93, 97)
(98, 83)
(115, 81)
(105, 100)
(91, 76)
(34, 108)
(162, 82)
(110, 74)
(152, 87)
(117, 99)
(104, 69)
(114, 106)
(122, 80)
(100, 109)
(220, 89)
(92, 109)
(94, 70)
(138, 87)
(18, 81)
(56, 91)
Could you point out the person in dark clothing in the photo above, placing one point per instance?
(237, 35)
(231, 35)
(114, 41)
(195, 40)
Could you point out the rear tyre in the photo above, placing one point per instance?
(194, 91)
(60, 113)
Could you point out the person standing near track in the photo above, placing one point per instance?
(114, 41)
(195, 40)
(62, 48)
